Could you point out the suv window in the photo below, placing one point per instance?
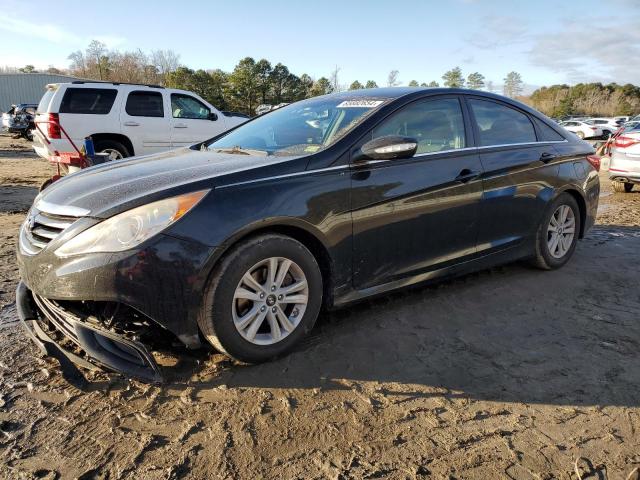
(501, 125)
(185, 106)
(43, 106)
(144, 104)
(437, 125)
(96, 101)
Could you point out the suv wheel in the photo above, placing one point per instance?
(557, 234)
(621, 187)
(115, 149)
(262, 299)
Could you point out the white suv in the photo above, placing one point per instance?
(124, 119)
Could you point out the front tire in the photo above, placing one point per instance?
(557, 234)
(621, 187)
(264, 296)
(580, 135)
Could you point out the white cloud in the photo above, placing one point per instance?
(55, 34)
(607, 53)
(497, 31)
(51, 33)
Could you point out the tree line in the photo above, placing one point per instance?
(252, 82)
(593, 99)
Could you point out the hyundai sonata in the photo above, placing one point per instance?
(239, 241)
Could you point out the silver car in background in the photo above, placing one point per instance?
(624, 169)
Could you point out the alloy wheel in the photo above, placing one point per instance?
(113, 153)
(270, 300)
(561, 231)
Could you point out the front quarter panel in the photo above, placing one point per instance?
(315, 201)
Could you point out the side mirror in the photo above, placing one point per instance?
(389, 147)
(213, 116)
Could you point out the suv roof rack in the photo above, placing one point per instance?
(117, 83)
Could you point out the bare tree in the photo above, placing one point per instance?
(335, 80)
(165, 61)
(78, 63)
(97, 52)
(392, 78)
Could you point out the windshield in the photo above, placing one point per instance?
(299, 129)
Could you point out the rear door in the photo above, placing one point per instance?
(192, 120)
(145, 121)
(519, 173)
(415, 215)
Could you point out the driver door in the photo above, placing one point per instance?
(191, 121)
(412, 216)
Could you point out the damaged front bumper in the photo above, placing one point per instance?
(64, 334)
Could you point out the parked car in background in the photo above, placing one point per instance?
(633, 119)
(19, 120)
(621, 119)
(240, 240)
(624, 167)
(125, 119)
(582, 129)
(607, 125)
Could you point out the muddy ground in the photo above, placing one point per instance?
(507, 373)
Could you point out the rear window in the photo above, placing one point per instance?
(144, 104)
(43, 106)
(547, 134)
(501, 125)
(96, 101)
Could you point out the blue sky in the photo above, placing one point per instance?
(546, 41)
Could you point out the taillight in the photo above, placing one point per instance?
(624, 142)
(595, 161)
(593, 128)
(53, 127)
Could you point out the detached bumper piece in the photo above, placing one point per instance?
(52, 327)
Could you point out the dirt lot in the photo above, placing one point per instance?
(508, 373)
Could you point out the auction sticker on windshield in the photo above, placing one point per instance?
(360, 103)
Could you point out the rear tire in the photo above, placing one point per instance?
(115, 149)
(621, 187)
(241, 285)
(561, 219)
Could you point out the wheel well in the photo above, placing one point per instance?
(582, 205)
(123, 139)
(314, 245)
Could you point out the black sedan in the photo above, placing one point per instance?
(241, 240)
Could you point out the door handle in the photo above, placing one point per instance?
(466, 175)
(546, 157)
(131, 124)
(180, 125)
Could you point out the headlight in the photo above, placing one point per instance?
(130, 228)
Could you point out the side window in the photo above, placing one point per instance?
(501, 125)
(547, 134)
(185, 106)
(96, 101)
(437, 125)
(144, 104)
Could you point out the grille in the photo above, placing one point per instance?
(59, 317)
(40, 228)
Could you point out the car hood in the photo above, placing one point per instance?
(103, 190)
